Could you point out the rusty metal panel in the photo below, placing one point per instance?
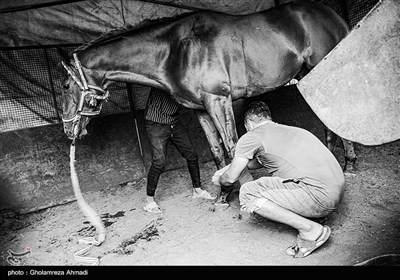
(354, 90)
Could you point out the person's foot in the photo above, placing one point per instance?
(152, 207)
(200, 193)
(302, 248)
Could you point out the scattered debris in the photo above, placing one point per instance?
(149, 232)
(116, 215)
(107, 219)
(87, 231)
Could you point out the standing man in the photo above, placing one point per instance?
(305, 181)
(163, 125)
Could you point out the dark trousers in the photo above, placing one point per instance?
(159, 135)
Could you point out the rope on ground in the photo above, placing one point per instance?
(89, 213)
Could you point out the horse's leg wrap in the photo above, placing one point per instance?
(214, 140)
(220, 109)
(217, 150)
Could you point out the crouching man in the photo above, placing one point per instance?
(306, 181)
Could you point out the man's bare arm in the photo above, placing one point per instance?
(231, 175)
(254, 164)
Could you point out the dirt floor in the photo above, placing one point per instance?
(193, 232)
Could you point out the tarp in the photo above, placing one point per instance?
(45, 22)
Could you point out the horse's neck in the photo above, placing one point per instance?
(130, 60)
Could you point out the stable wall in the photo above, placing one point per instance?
(34, 163)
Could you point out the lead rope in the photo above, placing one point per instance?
(89, 213)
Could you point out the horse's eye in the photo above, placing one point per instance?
(66, 86)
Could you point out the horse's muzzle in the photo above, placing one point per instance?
(75, 130)
(69, 128)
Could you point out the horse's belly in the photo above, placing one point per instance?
(272, 69)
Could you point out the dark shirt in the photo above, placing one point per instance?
(161, 107)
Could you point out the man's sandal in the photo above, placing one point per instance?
(152, 207)
(304, 247)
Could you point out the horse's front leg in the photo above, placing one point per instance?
(213, 138)
(220, 110)
(217, 150)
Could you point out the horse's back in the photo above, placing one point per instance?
(299, 25)
(253, 53)
(279, 43)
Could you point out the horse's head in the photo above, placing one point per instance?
(81, 99)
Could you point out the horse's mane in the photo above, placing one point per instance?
(121, 32)
(105, 37)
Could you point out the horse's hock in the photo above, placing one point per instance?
(354, 90)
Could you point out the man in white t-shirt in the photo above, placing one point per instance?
(306, 181)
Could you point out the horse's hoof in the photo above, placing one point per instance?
(349, 171)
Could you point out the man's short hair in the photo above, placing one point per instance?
(257, 111)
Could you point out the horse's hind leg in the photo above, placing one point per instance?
(349, 153)
(350, 156)
(330, 139)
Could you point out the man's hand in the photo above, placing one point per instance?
(217, 175)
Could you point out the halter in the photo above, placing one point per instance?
(85, 90)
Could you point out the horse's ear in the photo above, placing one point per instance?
(64, 55)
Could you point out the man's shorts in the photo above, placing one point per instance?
(297, 197)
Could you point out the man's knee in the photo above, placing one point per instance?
(247, 193)
(253, 204)
(158, 165)
(191, 157)
(247, 190)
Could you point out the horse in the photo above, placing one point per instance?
(205, 60)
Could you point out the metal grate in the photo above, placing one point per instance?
(25, 90)
(31, 86)
(351, 10)
(357, 9)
